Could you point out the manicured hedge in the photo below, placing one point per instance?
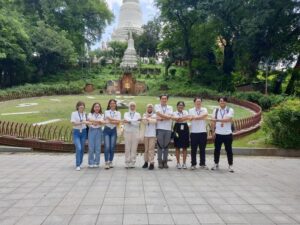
(33, 90)
(266, 102)
(282, 124)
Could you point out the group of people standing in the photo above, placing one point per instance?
(161, 124)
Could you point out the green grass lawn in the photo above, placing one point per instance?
(49, 109)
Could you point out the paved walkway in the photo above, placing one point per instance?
(39, 188)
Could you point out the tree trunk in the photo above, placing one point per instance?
(295, 76)
(228, 64)
(167, 67)
(189, 55)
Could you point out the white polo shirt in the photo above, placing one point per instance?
(180, 115)
(134, 124)
(223, 114)
(77, 117)
(198, 126)
(150, 129)
(96, 117)
(112, 114)
(167, 110)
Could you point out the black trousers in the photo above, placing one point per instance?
(227, 140)
(198, 140)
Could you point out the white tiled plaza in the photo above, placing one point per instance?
(44, 188)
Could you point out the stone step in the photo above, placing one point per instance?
(14, 149)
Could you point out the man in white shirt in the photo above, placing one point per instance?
(164, 114)
(222, 132)
(149, 119)
(131, 134)
(198, 133)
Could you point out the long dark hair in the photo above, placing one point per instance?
(112, 100)
(92, 109)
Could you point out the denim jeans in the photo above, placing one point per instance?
(95, 141)
(110, 141)
(79, 142)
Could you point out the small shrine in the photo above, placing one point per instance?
(127, 83)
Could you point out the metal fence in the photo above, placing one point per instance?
(43, 132)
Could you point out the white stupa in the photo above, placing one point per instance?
(130, 59)
(130, 20)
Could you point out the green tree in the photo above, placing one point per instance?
(182, 15)
(146, 44)
(84, 20)
(171, 47)
(15, 48)
(53, 49)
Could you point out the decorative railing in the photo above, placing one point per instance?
(59, 138)
(42, 132)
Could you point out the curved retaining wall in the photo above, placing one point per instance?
(59, 139)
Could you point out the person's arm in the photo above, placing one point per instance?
(227, 118)
(213, 124)
(152, 120)
(164, 116)
(185, 118)
(126, 118)
(115, 121)
(75, 122)
(201, 117)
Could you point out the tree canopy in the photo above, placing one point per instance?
(39, 37)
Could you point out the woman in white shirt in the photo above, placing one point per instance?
(79, 121)
(96, 120)
(112, 118)
(181, 133)
(131, 134)
(149, 119)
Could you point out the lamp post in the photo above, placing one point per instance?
(265, 65)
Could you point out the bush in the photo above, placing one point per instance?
(34, 90)
(266, 102)
(282, 124)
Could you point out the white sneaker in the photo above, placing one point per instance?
(204, 167)
(78, 168)
(230, 169)
(184, 166)
(96, 166)
(111, 165)
(178, 166)
(215, 167)
(193, 167)
(106, 165)
(126, 165)
(91, 166)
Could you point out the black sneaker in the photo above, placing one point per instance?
(151, 167)
(145, 165)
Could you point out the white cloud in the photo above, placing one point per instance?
(112, 3)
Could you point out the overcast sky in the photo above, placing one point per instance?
(148, 9)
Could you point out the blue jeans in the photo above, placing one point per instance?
(95, 141)
(79, 142)
(110, 141)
